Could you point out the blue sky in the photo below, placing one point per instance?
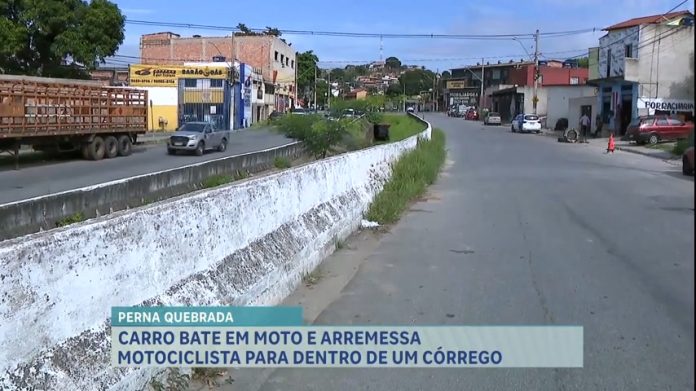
(405, 16)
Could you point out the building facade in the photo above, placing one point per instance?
(270, 55)
(644, 66)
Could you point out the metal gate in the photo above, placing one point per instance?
(207, 100)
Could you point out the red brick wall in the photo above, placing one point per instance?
(255, 51)
(550, 75)
(162, 48)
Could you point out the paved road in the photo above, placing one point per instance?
(524, 230)
(37, 180)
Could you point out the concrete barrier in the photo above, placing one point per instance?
(41, 213)
(244, 243)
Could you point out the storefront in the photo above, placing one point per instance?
(679, 108)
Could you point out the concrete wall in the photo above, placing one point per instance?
(558, 103)
(164, 106)
(41, 213)
(241, 244)
(665, 62)
(616, 42)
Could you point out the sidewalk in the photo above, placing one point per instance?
(624, 146)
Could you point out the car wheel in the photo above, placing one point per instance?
(686, 170)
(171, 151)
(654, 139)
(223, 145)
(200, 148)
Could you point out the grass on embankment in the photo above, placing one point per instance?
(402, 126)
(411, 176)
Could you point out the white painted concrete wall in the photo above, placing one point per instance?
(558, 103)
(244, 243)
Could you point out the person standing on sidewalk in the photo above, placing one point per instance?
(584, 126)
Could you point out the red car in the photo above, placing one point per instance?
(653, 129)
(472, 114)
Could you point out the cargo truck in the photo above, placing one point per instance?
(61, 115)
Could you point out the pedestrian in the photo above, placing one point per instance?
(584, 126)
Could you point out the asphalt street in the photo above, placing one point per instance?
(523, 230)
(33, 180)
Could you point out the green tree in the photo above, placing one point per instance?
(584, 62)
(58, 38)
(306, 70)
(395, 89)
(243, 30)
(416, 80)
(392, 63)
(272, 31)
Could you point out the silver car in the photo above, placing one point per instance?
(492, 119)
(198, 137)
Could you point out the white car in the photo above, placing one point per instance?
(526, 123)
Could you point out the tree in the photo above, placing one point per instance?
(243, 30)
(394, 90)
(272, 31)
(58, 38)
(445, 75)
(584, 62)
(306, 70)
(417, 80)
(392, 63)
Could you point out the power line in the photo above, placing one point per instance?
(364, 34)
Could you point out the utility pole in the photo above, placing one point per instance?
(483, 77)
(536, 70)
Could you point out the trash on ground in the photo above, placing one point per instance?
(368, 224)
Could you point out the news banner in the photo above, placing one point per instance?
(276, 337)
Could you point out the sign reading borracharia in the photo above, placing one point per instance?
(662, 104)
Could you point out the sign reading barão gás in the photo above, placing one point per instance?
(666, 104)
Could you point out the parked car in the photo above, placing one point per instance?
(198, 137)
(688, 157)
(492, 118)
(472, 114)
(452, 112)
(656, 128)
(410, 110)
(526, 123)
(298, 111)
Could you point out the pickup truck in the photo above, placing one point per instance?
(198, 137)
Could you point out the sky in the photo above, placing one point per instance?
(400, 17)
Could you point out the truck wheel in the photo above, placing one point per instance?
(84, 149)
(125, 145)
(199, 149)
(110, 147)
(95, 149)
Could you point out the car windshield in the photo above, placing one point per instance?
(531, 117)
(193, 127)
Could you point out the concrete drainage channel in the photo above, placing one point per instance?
(246, 243)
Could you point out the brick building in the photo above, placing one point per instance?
(272, 55)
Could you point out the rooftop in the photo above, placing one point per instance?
(652, 19)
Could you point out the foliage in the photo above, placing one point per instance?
(295, 126)
(175, 381)
(216, 180)
(446, 75)
(395, 89)
(392, 63)
(680, 147)
(306, 71)
(72, 219)
(281, 162)
(584, 62)
(58, 38)
(411, 176)
(323, 136)
(417, 80)
(402, 126)
(272, 31)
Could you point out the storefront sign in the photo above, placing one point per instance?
(168, 76)
(454, 84)
(672, 105)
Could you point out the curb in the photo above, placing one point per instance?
(652, 155)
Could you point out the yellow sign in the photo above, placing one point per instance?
(168, 76)
(454, 84)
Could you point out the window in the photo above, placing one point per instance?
(608, 63)
(675, 122)
(190, 83)
(282, 59)
(628, 51)
(662, 122)
(287, 61)
(216, 83)
(574, 80)
(276, 55)
(292, 64)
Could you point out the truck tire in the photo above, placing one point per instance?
(95, 149)
(125, 145)
(84, 149)
(110, 147)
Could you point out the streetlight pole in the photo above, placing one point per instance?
(483, 77)
(536, 70)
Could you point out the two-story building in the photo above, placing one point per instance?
(644, 66)
(273, 56)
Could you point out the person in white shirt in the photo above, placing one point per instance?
(584, 126)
